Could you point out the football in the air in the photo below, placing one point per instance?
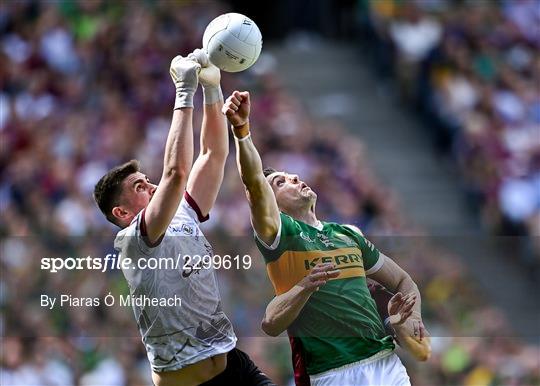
(233, 42)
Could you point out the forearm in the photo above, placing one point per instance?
(284, 309)
(249, 163)
(207, 172)
(178, 155)
(214, 135)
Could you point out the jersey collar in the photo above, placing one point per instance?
(319, 226)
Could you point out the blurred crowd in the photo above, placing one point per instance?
(85, 86)
(472, 68)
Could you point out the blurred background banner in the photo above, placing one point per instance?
(417, 121)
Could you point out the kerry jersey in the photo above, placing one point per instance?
(339, 324)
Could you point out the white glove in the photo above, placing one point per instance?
(185, 75)
(209, 76)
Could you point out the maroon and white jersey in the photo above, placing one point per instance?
(175, 336)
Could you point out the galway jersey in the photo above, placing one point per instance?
(176, 336)
(339, 324)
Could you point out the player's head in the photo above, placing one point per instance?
(292, 194)
(123, 192)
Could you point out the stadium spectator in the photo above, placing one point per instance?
(478, 87)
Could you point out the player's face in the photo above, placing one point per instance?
(137, 191)
(290, 190)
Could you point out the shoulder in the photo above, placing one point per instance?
(189, 207)
(288, 228)
(357, 233)
(130, 233)
(354, 229)
(134, 227)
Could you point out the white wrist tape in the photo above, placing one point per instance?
(212, 94)
(243, 138)
(184, 98)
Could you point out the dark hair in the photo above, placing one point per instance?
(108, 189)
(268, 171)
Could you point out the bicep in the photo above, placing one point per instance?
(205, 180)
(163, 206)
(264, 211)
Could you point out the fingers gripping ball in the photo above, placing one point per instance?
(233, 42)
(209, 77)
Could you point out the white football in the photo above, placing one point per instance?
(233, 42)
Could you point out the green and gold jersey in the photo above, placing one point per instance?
(339, 324)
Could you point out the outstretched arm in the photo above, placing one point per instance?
(207, 174)
(262, 202)
(404, 310)
(178, 151)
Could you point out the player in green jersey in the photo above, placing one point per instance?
(319, 272)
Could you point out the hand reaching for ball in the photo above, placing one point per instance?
(236, 108)
(209, 75)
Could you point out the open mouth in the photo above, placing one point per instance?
(304, 186)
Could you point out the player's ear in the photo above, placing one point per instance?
(120, 213)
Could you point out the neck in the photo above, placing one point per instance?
(305, 215)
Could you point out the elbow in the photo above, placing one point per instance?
(222, 152)
(414, 285)
(407, 282)
(213, 159)
(216, 154)
(269, 328)
(175, 174)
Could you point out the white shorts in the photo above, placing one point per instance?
(381, 369)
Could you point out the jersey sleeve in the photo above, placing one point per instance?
(189, 206)
(373, 259)
(283, 237)
(132, 239)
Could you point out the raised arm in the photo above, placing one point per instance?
(207, 173)
(178, 151)
(262, 202)
(404, 308)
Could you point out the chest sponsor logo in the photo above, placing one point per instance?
(292, 266)
(342, 261)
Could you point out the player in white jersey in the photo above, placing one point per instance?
(194, 342)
